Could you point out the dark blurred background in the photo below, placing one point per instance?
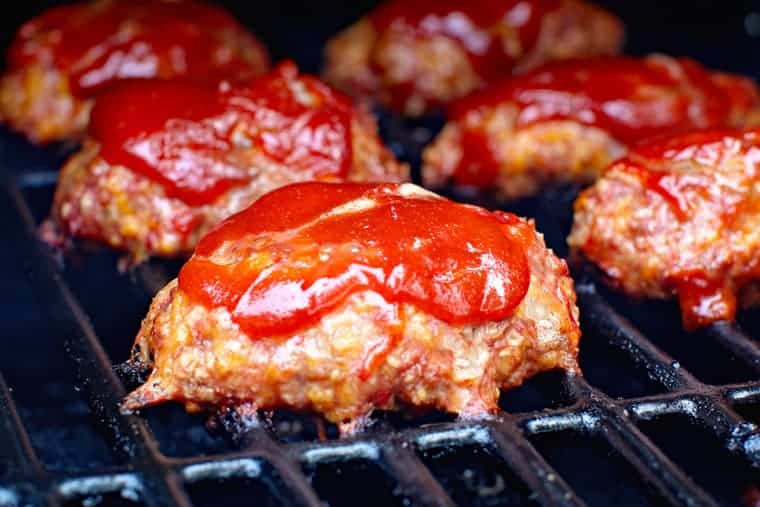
(722, 34)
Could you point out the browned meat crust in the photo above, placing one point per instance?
(201, 358)
(434, 70)
(693, 236)
(127, 211)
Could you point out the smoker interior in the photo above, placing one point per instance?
(661, 417)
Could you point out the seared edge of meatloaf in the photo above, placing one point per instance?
(201, 358)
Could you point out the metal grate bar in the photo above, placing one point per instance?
(614, 424)
(413, 478)
(734, 339)
(128, 434)
(255, 438)
(605, 320)
(509, 443)
(737, 434)
(702, 404)
(747, 393)
(656, 468)
(16, 452)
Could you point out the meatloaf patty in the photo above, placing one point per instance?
(382, 337)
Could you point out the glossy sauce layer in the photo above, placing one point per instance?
(192, 138)
(479, 27)
(649, 161)
(629, 98)
(703, 297)
(98, 43)
(284, 262)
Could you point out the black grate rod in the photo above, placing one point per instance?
(510, 444)
(745, 393)
(656, 468)
(613, 422)
(735, 340)
(413, 478)
(129, 435)
(250, 435)
(16, 451)
(605, 320)
(534, 424)
(738, 435)
(35, 179)
(582, 392)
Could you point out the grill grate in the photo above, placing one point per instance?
(534, 452)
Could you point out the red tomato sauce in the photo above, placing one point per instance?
(704, 300)
(282, 264)
(629, 98)
(706, 147)
(189, 136)
(98, 43)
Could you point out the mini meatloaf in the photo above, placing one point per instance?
(678, 218)
(565, 122)
(419, 55)
(62, 58)
(165, 161)
(340, 298)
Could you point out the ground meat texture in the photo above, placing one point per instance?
(566, 121)
(202, 357)
(134, 208)
(417, 56)
(678, 218)
(60, 59)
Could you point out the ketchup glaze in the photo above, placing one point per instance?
(187, 136)
(96, 43)
(298, 253)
